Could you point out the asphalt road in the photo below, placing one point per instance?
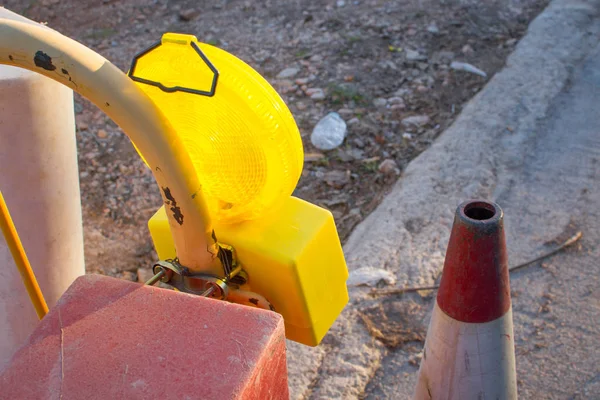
(557, 308)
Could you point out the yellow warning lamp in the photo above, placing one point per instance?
(247, 153)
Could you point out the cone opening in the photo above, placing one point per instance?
(480, 211)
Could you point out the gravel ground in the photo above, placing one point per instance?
(529, 142)
(375, 62)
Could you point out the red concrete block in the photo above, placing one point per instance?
(111, 339)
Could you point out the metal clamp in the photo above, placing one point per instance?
(207, 285)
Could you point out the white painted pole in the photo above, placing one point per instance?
(40, 182)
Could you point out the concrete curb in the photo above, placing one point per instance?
(408, 232)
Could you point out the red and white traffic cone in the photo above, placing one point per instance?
(469, 350)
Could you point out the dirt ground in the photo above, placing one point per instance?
(376, 62)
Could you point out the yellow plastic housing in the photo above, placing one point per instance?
(293, 257)
(242, 138)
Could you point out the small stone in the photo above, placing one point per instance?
(315, 93)
(370, 276)
(388, 166)
(510, 42)
(329, 132)
(395, 100)
(359, 142)
(415, 360)
(413, 55)
(407, 135)
(302, 81)
(433, 28)
(337, 179)
(467, 49)
(102, 134)
(82, 126)
(261, 56)
(285, 83)
(189, 14)
(311, 157)
(340, 3)
(462, 66)
(289, 72)
(301, 106)
(416, 120)
(411, 32)
(345, 112)
(353, 121)
(380, 102)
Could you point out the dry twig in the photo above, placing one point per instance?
(570, 241)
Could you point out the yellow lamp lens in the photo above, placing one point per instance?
(242, 139)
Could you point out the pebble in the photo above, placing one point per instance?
(462, 66)
(302, 81)
(407, 135)
(380, 102)
(337, 179)
(416, 120)
(433, 28)
(329, 132)
(82, 126)
(413, 55)
(189, 14)
(102, 134)
(370, 276)
(388, 166)
(345, 112)
(311, 157)
(467, 49)
(395, 100)
(315, 93)
(289, 72)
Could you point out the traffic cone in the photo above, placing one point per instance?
(469, 349)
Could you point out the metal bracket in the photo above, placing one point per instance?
(207, 285)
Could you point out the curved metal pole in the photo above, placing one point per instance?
(39, 49)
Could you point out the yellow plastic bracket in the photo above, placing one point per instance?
(293, 258)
